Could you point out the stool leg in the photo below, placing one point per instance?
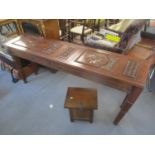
(2, 66)
(91, 116)
(71, 115)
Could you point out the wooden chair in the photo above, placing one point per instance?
(8, 27)
(7, 63)
(109, 22)
(84, 28)
(1, 30)
(63, 29)
(151, 78)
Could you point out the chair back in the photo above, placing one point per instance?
(90, 23)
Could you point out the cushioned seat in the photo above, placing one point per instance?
(96, 41)
(79, 29)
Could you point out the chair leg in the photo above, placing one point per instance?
(82, 38)
(71, 37)
(14, 80)
(149, 86)
(2, 66)
(1, 30)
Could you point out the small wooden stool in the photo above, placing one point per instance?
(81, 102)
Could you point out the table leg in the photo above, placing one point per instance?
(129, 100)
(124, 101)
(19, 68)
(53, 70)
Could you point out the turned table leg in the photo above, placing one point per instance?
(129, 100)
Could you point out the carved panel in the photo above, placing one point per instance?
(99, 60)
(130, 69)
(67, 51)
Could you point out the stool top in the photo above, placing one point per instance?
(81, 98)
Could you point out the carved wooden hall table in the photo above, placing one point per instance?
(115, 70)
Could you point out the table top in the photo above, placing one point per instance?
(149, 43)
(82, 98)
(140, 51)
(145, 50)
(79, 60)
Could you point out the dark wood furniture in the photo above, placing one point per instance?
(81, 27)
(64, 27)
(26, 67)
(81, 103)
(48, 28)
(149, 29)
(6, 61)
(115, 70)
(109, 22)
